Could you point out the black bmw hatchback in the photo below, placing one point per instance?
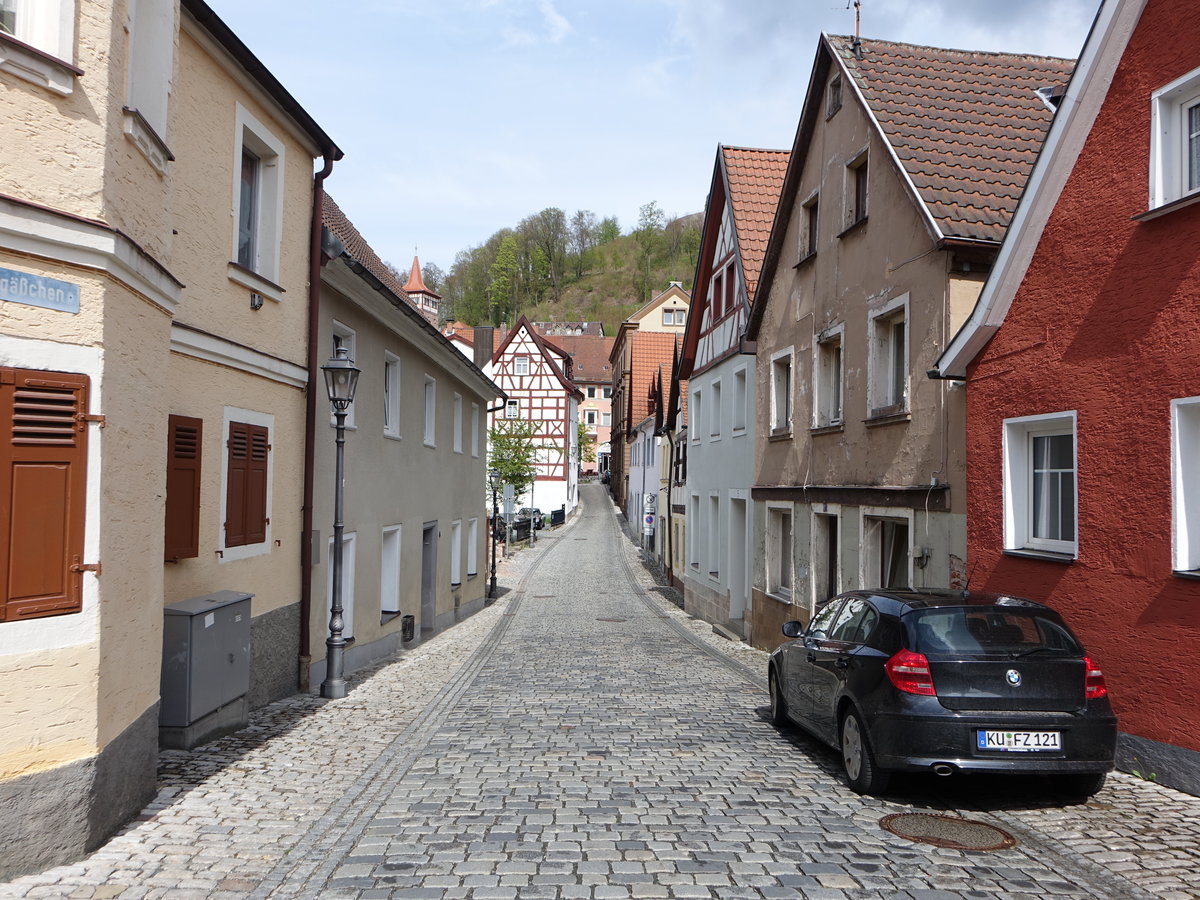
(946, 681)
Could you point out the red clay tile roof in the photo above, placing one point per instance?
(966, 125)
(590, 355)
(755, 180)
(648, 350)
(356, 245)
(416, 283)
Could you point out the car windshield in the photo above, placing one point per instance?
(989, 630)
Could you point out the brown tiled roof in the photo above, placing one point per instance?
(966, 125)
(755, 180)
(416, 281)
(358, 248)
(648, 351)
(590, 354)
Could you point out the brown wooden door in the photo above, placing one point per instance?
(43, 468)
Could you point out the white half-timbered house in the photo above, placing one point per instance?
(719, 366)
(536, 377)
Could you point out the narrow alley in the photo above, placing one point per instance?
(583, 738)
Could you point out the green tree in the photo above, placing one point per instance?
(513, 453)
(609, 230)
(648, 236)
(584, 236)
(587, 444)
(434, 277)
(502, 276)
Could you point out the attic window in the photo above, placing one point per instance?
(834, 101)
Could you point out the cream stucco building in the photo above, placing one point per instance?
(155, 220)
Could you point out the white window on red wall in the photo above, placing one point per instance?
(1185, 484)
(1041, 496)
(1175, 140)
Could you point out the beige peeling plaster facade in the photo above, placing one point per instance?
(395, 478)
(867, 467)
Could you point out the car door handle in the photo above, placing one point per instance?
(842, 662)
(812, 657)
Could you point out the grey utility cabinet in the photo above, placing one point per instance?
(206, 656)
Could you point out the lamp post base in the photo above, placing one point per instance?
(334, 685)
(333, 690)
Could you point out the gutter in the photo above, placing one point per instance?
(310, 416)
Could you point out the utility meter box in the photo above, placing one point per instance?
(206, 656)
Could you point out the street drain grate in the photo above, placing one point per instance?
(947, 831)
(610, 620)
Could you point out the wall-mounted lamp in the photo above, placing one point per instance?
(921, 557)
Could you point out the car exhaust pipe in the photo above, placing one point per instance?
(943, 769)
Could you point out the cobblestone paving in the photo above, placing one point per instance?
(584, 738)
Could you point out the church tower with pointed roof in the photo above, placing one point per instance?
(428, 302)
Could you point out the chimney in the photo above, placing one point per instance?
(483, 344)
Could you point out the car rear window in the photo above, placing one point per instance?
(988, 630)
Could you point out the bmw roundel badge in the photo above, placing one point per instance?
(1013, 677)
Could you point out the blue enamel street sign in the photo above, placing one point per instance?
(37, 290)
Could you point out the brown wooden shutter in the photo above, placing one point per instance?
(246, 492)
(184, 445)
(43, 470)
(235, 489)
(256, 485)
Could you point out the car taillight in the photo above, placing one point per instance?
(1093, 682)
(909, 672)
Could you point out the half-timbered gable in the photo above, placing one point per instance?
(535, 375)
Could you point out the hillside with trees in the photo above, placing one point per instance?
(552, 266)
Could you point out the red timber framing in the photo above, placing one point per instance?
(535, 373)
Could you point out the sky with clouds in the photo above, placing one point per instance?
(461, 117)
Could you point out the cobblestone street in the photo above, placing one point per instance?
(584, 738)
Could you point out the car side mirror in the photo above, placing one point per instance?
(792, 629)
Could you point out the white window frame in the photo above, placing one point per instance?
(716, 410)
(608, 391)
(715, 543)
(520, 363)
(1018, 480)
(348, 338)
(245, 551)
(783, 392)
(740, 401)
(882, 361)
(472, 547)
(606, 419)
(773, 557)
(870, 518)
(475, 430)
(591, 392)
(512, 409)
(817, 543)
(151, 26)
(390, 552)
(1169, 137)
(391, 395)
(589, 416)
(48, 26)
(458, 423)
(696, 414)
(693, 532)
(430, 435)
(829, 380)
(257, 138)
(456, 548)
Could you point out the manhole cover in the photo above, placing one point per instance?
(947, 831)
(610, 620)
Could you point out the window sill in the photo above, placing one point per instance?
(1190, 574)
(805, 259)
(785, 599)
(1045, 555)
(392, 437)
(37, 67)
(889, 415)
(852, 227)
(248, 278)
(1169, 207)
(431, 445)
(387, 615)
(836, 428)
(740, 432)
(147, 140)
(780, 434)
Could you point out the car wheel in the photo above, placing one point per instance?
(1082, 786)
(864, 776)
(779, 716)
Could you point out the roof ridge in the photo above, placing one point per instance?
(972, 53)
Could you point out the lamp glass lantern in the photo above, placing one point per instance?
(341, 378)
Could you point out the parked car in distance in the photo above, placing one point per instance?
(531, 512)
(946, 682)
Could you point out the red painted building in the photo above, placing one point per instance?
(1082, 368)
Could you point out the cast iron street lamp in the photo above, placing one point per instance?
(494, 482)
(341, 376)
